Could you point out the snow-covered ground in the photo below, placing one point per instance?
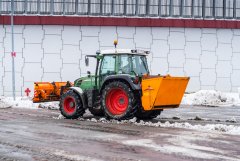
(25, 102)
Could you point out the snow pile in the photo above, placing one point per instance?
(221, 128)
(25, 102)
(211, 98)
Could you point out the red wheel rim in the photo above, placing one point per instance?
(69, 105)
(117, 101)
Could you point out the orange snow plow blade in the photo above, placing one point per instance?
(46, 91)
(163, 92)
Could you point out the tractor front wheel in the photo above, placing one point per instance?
(71, 106)
(118, 101)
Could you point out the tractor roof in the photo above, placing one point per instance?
(124, 51)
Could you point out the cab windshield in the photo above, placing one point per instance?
(133, 64)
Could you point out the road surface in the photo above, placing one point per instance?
(27, 134)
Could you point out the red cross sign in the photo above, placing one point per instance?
(27, 91)
(13, 54)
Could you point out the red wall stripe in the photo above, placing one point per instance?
(119, 21)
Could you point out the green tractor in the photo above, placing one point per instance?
(122, 88)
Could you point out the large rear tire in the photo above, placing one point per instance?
(145, 115)
(71, 106)
(118, 101)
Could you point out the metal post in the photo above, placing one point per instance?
(125, 7)
(171, 8)
(147, 7)
(25, 6)
(136, 10)
(0, 6)
(224, 9)
(13, 64)
(181, 8)
(159, 8)
(203, 8)
(38, 6)
(76, 7)
(51, 7)
(214, 7)
(112, 7)
(89, 7)
(192, 9)
(64, 6)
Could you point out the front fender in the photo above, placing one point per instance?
(80, 92)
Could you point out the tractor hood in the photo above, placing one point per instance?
(85, 83)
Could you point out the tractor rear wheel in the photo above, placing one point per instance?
(145, 115)
(118, 101)
(71, 106)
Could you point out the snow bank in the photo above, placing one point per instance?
(25, 102)
(221, 128)
(211, 98)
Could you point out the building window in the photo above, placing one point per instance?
(187, 8)
(229, 8)
(58, 7)
(165, 7)
(209, 8)
(118, 7)
(219, 6)
(237, 9)
(32, 6)
(197, 8)
(142, 7)
(153, 7)
(176, 8)
(70, 7)
(131, 7)
(82, 7)
(95, 7)
(45, 6)
(19, 6)
(5, 7)
(107, 7)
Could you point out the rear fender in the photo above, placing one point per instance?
(80, 92)
(123, 77)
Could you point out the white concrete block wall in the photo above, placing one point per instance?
(56, 53)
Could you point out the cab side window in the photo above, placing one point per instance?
(108, 64)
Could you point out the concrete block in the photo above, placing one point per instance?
(208, 87)
(126, 43)
(71, 35)
(178, 72)
(32, 72)
(176, 29)
(52, 43)
(223, 84)
(193, 84)
(143, 33)
(2, 33)
(224, 68)
(18, 29)
(208, 59)
(176, 58)
(160, 48)
(70, 54)
(19, 62)
(161, 33)
(90, 30)
(192, 67)
(235, 78)
(224, 51)
(224, 35)
(209, 31)
(236, 32)
(7, 82)
(193, 34)
(209, 42)
(52, 63)
(208, 77)
(33, 53)
(235, 44)
(125, 32)
(53, 29)
(70, 72)
(50, 77)
(91, 67)
(159, 66)
(33, 34)
(193, 50)
(107, 36)
(236, 61)
(176, 40)
(89, 45)
(18, 45)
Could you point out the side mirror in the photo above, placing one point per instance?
(86, 60)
